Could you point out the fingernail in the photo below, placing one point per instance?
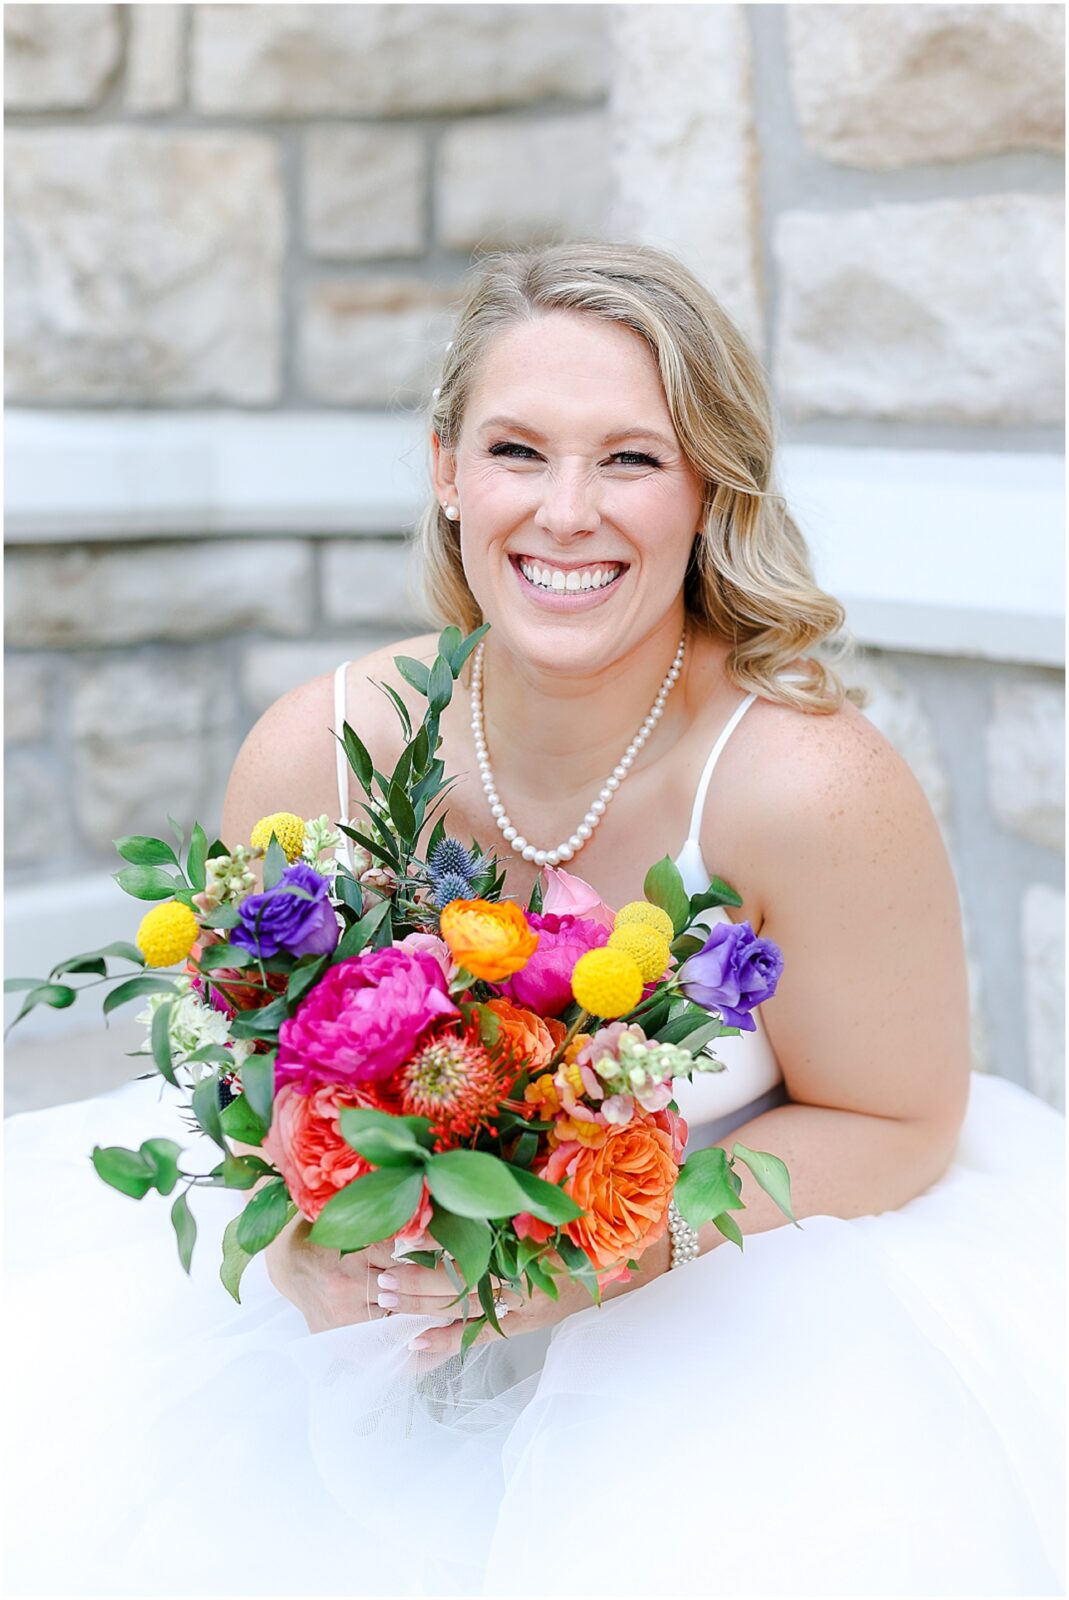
(387, 1280)
(387, 1301)
(419, 1344)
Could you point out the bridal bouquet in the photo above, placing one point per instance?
(398, 1051)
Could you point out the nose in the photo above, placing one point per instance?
(568, 507)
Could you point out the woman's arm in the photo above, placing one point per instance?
(870, 1022)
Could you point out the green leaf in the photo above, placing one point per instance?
(196, 861)
(160, 1038)
(381, 851)
(239, 1121)
(399, 706)
(126, 952)
(133, 988)
(178, 832)
(472, 1183)
(545, 1200)
(356, 753)
(57, 995)
(704, 1188)
(413, 672)
(304, 975)
(206, 1110)
(449, 639)
(385, 1140)
(686, 945)
(161, 1155)
(224, 955)
(440, 687)
(234, 1261)
(265, 1216)
(275, 862)
(771, 1174)
(467, 1240)
(185, 1229)
(422, 1258)
(258, 1086)
(718, 893)
(125, 1170)
(663, 887)
(222, 917)
(486, 1300)
(217, 1054)
(419, 750)
(729, 1228)
(580, 1266)
(526, 1149)
(146, 883)
(404, 818)
(237, 1172)
(543, 1279)
(459, 653)
(356, 938)
(371, 1208)
(144, 851)
(472, 1330)
(258, 1024)
(534, 904)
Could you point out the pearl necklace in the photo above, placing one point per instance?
(585, 830)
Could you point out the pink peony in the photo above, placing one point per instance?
(544, 985)
(566, 895)
(362, 1019)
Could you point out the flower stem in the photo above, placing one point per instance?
(558, 1055)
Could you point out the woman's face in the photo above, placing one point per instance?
(578, 510)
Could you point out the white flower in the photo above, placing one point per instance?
(192, 1026)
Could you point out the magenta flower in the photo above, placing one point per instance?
(544, 985)
(362, 1019)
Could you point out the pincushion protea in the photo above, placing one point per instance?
(457, 1081)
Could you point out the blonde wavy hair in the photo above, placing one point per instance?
(749, 578)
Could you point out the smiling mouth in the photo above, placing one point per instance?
(551, 579)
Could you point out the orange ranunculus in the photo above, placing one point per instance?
(543, 1095)
(624, 1186)
(492, 940)
(531, 1039)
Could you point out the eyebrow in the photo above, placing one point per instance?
(513, 424)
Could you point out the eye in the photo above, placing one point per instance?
(637, 457)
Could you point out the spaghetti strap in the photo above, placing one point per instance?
(714, 756)
(343, 856)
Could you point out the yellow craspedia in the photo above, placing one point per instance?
(648, 916)
(167, 934)
(606, 982)
(287, 828)
(646, 947)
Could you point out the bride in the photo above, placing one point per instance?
(866, 1405)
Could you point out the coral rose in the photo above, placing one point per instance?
(492, 940)
(530, 1039)
(306, 1145)
(624, 1186)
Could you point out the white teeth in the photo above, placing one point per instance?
(560, 582)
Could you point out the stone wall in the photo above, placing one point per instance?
(271, 208)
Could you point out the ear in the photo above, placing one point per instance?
(443, 472)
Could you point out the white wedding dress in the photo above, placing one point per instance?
(862, 1407)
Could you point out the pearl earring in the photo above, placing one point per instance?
(452, 512)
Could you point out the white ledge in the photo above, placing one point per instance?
(955, 553)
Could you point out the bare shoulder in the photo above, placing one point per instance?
(288, 762)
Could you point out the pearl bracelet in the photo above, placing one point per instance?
(684, 1238)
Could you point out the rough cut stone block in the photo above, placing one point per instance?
(152, 736)
(34, 820)
(883, 86)
(59, 58)
(507, 181)
(188, 591)
(947, 311)
(375, 341)
(153, 78)
(142, 263)
(365, 191)
(369, 581)
(1043, 952)
(1026, 762)
(268, 671)
(684, 154)
(25, 698)
(300, 60)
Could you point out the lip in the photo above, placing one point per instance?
(562, 600)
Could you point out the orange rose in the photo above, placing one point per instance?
(624, 1186)
(492, 940)
(530, 1038)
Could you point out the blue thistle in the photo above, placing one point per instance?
(450, 856)
(450, 886)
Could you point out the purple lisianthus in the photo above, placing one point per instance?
(544, 985)
(733, 972)
(275, 921)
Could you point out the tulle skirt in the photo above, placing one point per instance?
(861, 1407)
